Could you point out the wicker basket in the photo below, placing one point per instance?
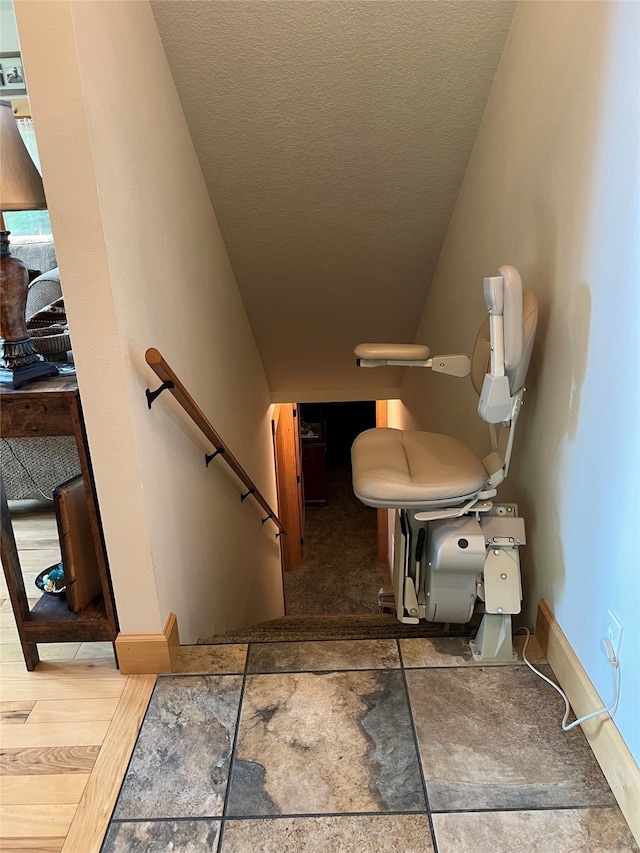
(52, 342)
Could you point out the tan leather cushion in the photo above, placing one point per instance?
(396, 468)
(393, 352)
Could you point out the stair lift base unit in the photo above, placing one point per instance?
(462, 569)
(456, 553)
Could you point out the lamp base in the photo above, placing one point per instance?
(19, 362)
(17, 376)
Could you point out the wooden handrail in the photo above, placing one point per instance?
(171, 382)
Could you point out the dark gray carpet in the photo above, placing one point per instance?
(340, 573)
(333, 594)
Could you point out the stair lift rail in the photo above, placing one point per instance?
(456, 552)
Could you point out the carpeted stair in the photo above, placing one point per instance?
(363, 626)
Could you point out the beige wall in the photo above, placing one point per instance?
(552, 188)
(143, 264)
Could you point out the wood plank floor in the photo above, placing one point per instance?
(67, 730)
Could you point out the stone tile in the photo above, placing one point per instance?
(325, 743)
(163, 836)
(327, 655)
(180, 764)
(362, 834)
(212, 660)
(455, 651)
(560, 831)
(490, 738)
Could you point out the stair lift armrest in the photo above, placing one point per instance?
(410, 355)
(392, 355)
(452, 365)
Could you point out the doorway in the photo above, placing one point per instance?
(339, 571)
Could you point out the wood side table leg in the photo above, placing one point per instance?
(30, 653)
(15, 581)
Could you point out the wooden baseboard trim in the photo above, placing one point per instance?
(611, 752)
(98, 800)
(144, 654)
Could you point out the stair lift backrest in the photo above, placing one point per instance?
(499, 399)
(497, 463)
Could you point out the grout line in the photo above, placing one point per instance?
(550, 808)
(199, 674)
(296, 815)
(391, 813)
(325, 671)
(234, 749)
(418, 753)
(179, 819)
(269, 817)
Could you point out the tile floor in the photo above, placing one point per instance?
(372, 745)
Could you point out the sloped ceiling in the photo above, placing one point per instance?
(333, 137)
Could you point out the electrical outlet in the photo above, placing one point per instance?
(614, 633)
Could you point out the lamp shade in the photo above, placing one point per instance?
(20, 182)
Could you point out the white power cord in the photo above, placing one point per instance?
(614, 664)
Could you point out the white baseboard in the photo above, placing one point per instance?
(611, 752)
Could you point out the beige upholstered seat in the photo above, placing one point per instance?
(401, 468)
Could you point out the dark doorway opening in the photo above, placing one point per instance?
(340, 573)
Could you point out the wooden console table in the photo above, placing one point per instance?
(51, 407)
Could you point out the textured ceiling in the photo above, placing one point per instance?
(333, 137)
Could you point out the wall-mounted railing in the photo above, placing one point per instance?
(171, 383)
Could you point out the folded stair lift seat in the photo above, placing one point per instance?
(455, 551)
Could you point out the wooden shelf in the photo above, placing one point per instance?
(52, 407)
(55, 609)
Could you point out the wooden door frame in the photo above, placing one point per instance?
(286, 436)
(382, 514)
(286, 442)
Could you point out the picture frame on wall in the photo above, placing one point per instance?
(12, 83)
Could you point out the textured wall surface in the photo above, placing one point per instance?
(178, 537)
(552, 187)
(333, 137)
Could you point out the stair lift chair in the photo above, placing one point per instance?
(455, 550)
